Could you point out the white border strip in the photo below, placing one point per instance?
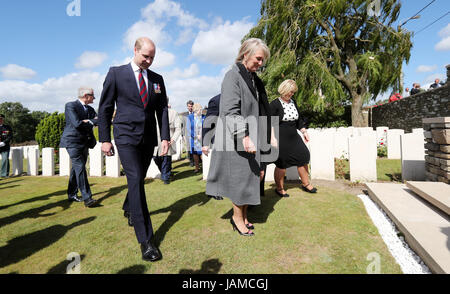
(409, 262)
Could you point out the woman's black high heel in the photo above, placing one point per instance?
(313, 190)
(240, 233)
(250, 227)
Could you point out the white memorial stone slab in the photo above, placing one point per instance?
(33, 162)
(270, 170)
(393, 143)
(322, 156)
(17, 161)
(382, 135)
(413, 156)
(153, 171)
(65, 164)
(112, 164)
(341, 143)
(363, 158)
(206, 160)
(96, 161)
(48, 162)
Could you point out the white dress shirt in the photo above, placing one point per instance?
(136, 75)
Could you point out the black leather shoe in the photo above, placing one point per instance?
(90, 202)
(128, 216)
(313, 190)
(281, 195)
(75, 198)
(150, 252)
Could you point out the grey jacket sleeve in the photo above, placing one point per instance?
(230, 105)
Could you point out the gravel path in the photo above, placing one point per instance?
(409, 262)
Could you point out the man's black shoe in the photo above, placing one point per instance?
(75, 198)
(128, 216)
(150, 252)
(90, 202)
(166, 182)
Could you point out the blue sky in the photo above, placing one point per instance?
(46, 54)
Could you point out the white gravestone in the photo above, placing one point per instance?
(96, 161)
(112, 164)
(65, 164)
(393, 143)
(33, 162)
(206, 160)
(363, 158)
(17, 161)
(322, 156)
(413, 157)
(48, 162)
(382, 135)
(341, 142)
(153, 171)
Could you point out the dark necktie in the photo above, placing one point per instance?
(86, 110)
(143, 89)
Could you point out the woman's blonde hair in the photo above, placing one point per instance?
(249, 48)
(287, 86)
(196, 107)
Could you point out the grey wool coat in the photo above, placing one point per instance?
(234, 173)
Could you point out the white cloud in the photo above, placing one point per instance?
(443, 45)
(430, 79)
(445, 32)
(220, 45)
(52, 94)
(16, 72)
(184, 37)
(426, 68)
(162, 59)
(150, 28)
(90, 59)
(162, 9)
(189, 72)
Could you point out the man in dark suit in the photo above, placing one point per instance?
(138, 94)
(6, 135)
(208, 130)
(77, 138)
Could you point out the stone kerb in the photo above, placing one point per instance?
(48, 162)
(393, 143)
(17, 161)
(413, 157)
(33, 162)
(322, 155)
(96, 161)
(65, 164)
(112, 164)
(363, 158)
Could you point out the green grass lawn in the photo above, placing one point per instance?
(387, 169)
(327, 232)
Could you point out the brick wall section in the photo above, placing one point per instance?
(437, 138)
(407, 113)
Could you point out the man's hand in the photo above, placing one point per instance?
(248, 145)
(205, 150)
(107, 148)
(164, 147)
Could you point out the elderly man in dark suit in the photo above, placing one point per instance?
(139, 94)
(77, 138)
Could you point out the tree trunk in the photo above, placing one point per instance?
(357, 114)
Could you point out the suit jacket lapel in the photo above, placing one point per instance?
(133, 84)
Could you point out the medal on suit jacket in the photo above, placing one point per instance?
(157, 88)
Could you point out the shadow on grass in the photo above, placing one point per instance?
(135, 269)
(211, 266)
(396, 177)
(4, 182)
(24, 246)
(177, 210)
(35, 212)
(38, 198)
(260, 213)
(61, 268)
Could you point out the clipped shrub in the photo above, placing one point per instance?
(49, 130)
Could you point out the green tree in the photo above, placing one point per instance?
(50, 129)
(20, 120)
(336, 51)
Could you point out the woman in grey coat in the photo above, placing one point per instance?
(236, 167)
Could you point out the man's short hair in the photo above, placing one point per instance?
(83, 91)
(190, 102)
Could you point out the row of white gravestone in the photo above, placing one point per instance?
(97, 162)
(361, 150)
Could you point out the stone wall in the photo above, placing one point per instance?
(407, 113)
(437, 137)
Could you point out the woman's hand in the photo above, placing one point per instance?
(248, 145)
(305, 134)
